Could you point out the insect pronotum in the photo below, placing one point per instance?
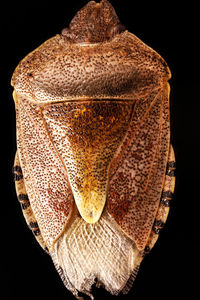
(94, 167)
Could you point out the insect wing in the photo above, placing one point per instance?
(137, 173)
(44, 174)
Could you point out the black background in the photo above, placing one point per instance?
(170, 28)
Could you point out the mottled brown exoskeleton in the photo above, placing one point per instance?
(94, 167)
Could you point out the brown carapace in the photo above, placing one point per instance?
(94, 167)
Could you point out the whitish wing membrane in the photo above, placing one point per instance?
(89, 251)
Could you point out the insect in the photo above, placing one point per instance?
(94, 167)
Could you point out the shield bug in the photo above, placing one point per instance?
(94, 167)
